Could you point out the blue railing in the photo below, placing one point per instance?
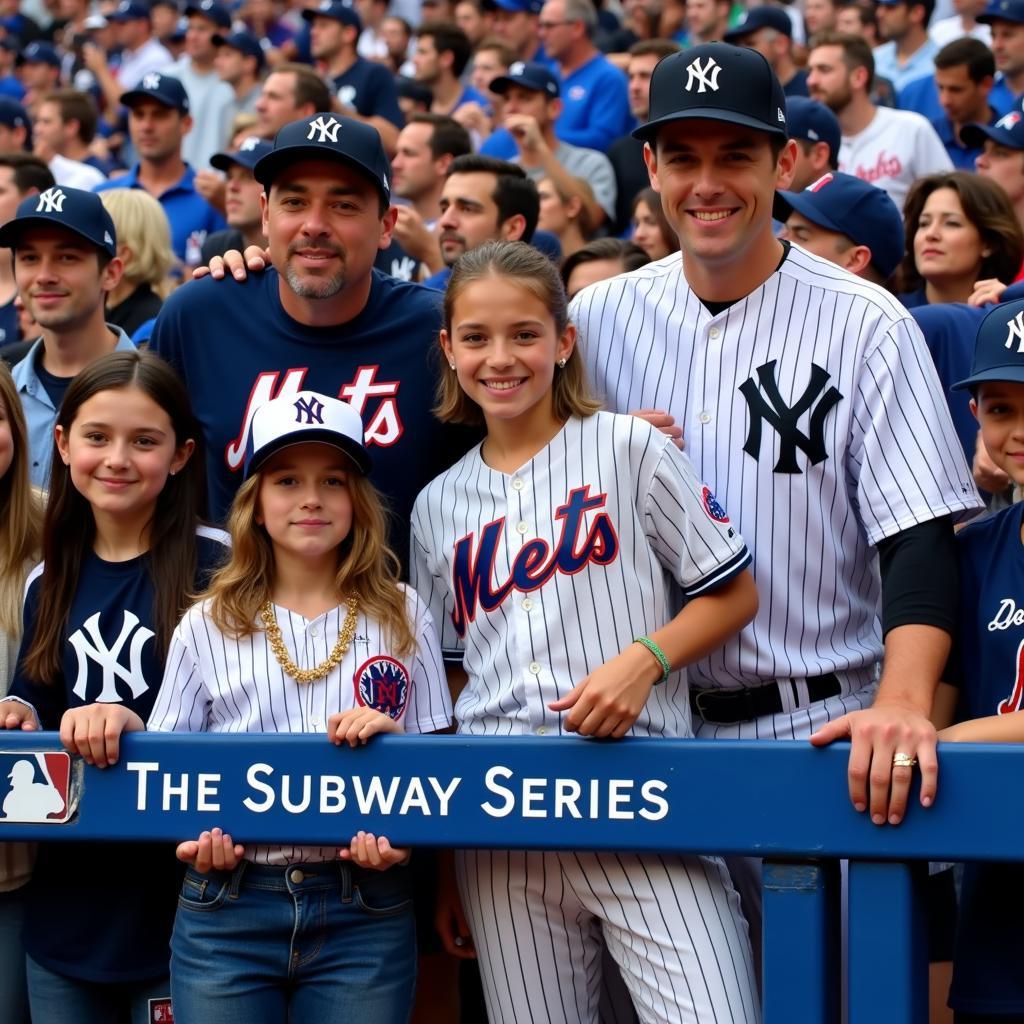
(785, 802)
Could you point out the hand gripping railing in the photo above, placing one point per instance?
(786, 802)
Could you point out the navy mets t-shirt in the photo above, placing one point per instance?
(90, 913)
(235, 347)
(987, 665)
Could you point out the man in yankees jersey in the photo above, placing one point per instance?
(811, 406)
(320, 318)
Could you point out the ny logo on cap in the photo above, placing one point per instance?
(1008, 121)
(706, 77)
(249, 143)
(311, 409)
(151, 81)
(1016, 330)
(516, 69)
(325, 130)
(51, 201)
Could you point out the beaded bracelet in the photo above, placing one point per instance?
(666, 668)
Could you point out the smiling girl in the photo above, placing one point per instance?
(553, 553)
(122, 552)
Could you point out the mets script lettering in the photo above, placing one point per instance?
(771, 407)
(536, 563)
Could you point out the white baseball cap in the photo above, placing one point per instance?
(300, 418)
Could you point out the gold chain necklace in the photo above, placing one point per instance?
(309, 675)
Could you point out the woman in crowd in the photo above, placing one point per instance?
(651, 231)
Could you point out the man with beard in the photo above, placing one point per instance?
(483, 200)
(320, 318)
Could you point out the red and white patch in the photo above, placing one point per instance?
(383, 683)
(712, 507)
(160, 1011)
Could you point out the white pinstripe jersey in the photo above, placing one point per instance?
(813, 408)
(214, 683)
(540, 576)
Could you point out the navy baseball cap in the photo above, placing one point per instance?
(813, 121)
(340, 10)
(211, 9)
(1003, 10)
(13, 114)
(251, 150)
(998, 347)
(855, 208)
(301, 418)
(73, 209)
(527, 75)
(40, 53)
(245, 43)
(1008, 131)
(760, 17)
(162, 88)
(328, 136)
(716, 82)
(519, 6)
(130, 10)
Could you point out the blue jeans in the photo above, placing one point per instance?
(57, 999)
(308, 942)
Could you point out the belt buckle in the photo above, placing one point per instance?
(698, 696)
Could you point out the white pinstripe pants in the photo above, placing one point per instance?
(672, 924)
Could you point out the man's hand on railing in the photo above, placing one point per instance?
(357, 725)
(94, 731)
(212, 851)
(877, 734)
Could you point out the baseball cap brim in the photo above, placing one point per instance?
(130, 97)
(973, 135)
(222, 161)
(502, 82)
(1013, 373)
(355, 451)
(798, 202)
(986, 18)
(646, 132)
(12, 231)
(270, 166)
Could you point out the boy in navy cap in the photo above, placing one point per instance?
(1002, 154)
(983, 683)
(65, 263)
(769, 31)
(793, 381)
(818, 137)
(241, 199)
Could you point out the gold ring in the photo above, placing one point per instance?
(903, 760)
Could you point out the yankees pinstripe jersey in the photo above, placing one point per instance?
(540, 576)
(214, 683)
(813, 408)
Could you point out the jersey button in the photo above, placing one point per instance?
(535, 667)
(296, 876)
(541, 730)
(527, 604)
(705, 417)
(714, 332)
(314, 630)
(316, 722)
(518, 484)
(521, 527)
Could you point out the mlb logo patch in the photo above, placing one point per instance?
(160, 1011)
(35, 787)
(712, 506)
(382, 683)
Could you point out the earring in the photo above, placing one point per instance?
(561, 364)
(452, 365)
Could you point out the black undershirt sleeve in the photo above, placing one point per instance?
(920, 578)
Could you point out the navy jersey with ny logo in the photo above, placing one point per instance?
(110, 653)
(236, 348)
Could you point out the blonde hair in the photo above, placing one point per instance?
(580, 190)
(367, 567)
(530, 268)
(143, 227)
(20, 513)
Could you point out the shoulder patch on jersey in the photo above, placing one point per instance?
(712, 506)
(382, 683)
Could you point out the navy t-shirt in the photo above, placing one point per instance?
(369, 89)
(987, 667)
(235, 347)
(93, 913)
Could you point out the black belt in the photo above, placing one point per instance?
(726, 707)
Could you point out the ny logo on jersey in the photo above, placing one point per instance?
(1015, 330)
(383, 428)
(705, 77)
(325, 129)
(92, 649)
(535, 563)
(784, 417)
(311, 409)
(51, 201)
(1016, 699)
